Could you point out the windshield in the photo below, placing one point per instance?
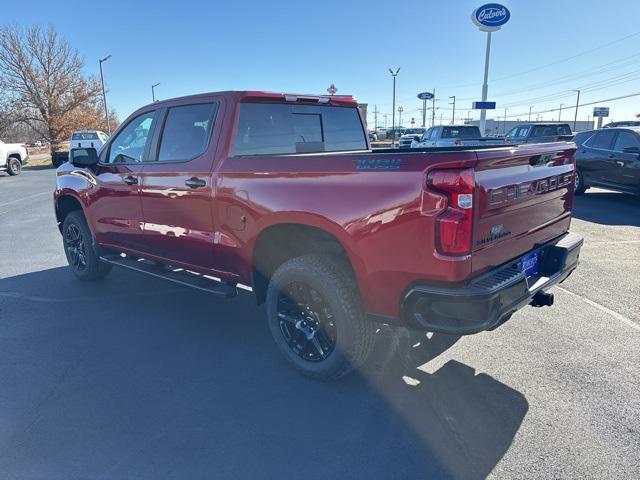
(414, 131)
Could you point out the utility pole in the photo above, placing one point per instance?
(400, 110)
(375, 117)
(385, 115)
(153, 93)
(104, 93)
(530, 113)
(504, 124)
(575, 117)
(560, 112)
(393, 111)
(453, 113)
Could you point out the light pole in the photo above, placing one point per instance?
(453, 113)
(153, 93)
(530, 113)
(575, 117)
(393, 110)
(560, 112)
(104, 93)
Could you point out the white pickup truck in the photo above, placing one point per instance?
(12, 157)
(454, 136)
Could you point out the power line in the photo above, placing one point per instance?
(566, 59)
(578, 106)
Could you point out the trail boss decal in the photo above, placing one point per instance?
(378, 164)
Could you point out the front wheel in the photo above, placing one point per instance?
(316, 318)
(14, 166)
(78, 247)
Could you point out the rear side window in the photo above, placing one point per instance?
(266, 128)
(581, 137)
(564, 130)
(186, 132)
(602, 140)
(460, 132)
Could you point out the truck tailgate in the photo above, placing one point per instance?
(523, 198)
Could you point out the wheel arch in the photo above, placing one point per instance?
(283, 240)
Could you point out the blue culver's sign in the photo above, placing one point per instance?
(490, 17)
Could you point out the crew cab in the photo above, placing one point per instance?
(540, 133)
(281, 193)
(12, 157)
(454, 136)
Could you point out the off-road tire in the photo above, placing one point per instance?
(14, 166)
(355, 334)
(93, 268)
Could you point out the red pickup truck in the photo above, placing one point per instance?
(283, 194)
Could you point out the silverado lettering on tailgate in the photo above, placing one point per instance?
(504, 195)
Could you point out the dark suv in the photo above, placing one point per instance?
(608, 158)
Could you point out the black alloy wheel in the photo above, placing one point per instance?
(306, 322)
(75, 245)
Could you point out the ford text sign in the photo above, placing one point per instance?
(490, 17)
(425, 96)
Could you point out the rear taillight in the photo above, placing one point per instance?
(454, 225)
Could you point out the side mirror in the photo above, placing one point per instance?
(83, 157)
(631, 150)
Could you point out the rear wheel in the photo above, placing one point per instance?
(316, 318)
(579, 187)
(78, 247)
(14, 166)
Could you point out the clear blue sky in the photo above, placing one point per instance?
(303, 46)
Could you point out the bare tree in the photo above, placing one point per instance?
(42, 76)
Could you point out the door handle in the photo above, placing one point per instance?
(195, 183)
(619, 163)
(131, 180)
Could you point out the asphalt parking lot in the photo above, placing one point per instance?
(135, 378)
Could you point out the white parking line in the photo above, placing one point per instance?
(25, 198)
(604, 309)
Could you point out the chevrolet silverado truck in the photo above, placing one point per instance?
(281, 193)
(12, 157)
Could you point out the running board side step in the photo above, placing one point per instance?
(175, 275)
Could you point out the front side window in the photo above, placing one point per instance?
(129, 144)
(186, 132)
(602, 140)
(625, 140)
(267, 128)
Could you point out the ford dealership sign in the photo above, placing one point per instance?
(490, 17)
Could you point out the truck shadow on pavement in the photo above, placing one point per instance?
(608, 208)
(135, 378)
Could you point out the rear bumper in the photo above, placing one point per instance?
(489, 300)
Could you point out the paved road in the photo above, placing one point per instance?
(135, 378)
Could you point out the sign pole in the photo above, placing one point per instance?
(424, 112)
(485, 86)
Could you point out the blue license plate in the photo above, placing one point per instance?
(530, 263)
